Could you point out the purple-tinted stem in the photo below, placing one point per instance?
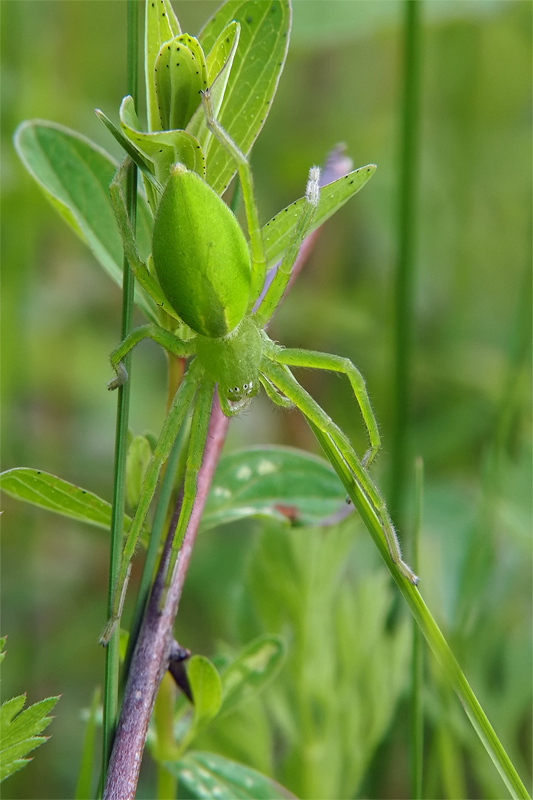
(151, 655)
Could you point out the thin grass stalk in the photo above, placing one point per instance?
(416, 742)
(428, 627)
(405, 266)
(112, 674)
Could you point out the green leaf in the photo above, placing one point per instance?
(163, 148)
(48, 491)
(257, 66)
(206, 689)
(219, 64)
(19, 731)
(207, 775)
(279, 483)
(161, 26)
(180, 76)
(252, 670)
(277, 233)
(75, 175)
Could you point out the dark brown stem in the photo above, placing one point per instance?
(154, 645)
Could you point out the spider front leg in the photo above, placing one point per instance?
(370, 503)
(175, 418)
(139, 268)
(165, 338)
(315, 360)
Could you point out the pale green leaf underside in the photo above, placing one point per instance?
(278, 483)
(277, 233)
(258, 62)
(252, 670)
(54, 494)
(208, 775)
(75, 175)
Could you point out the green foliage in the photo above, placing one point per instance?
(470, 387)
(206, 775)
(19, 730)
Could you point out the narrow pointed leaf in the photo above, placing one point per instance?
(48, 491)
(257, 66)
(161, 26)
(277, 232)
(207, 775)
(75, 175)
(279, 483)
(252, 670)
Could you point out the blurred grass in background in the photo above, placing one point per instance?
(471, 413)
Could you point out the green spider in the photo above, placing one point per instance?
(210, 278)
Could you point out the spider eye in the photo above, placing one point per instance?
(245, 386)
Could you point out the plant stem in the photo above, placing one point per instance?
(417, 656)
(151, 655)
(150, 659)
(117, 517)
(404, 278)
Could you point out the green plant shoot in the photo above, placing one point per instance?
(209, 277)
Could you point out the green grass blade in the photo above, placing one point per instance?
(405, 267)
(430, 630)
(111, 687)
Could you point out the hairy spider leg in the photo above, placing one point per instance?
(139, 268)
(165, 338)
(370, 500)
(325, 361)
(275, 291)
(245, 176)
(195, 452)
(175, 418)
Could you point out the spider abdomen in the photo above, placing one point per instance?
(201, 257)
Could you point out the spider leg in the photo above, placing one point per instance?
(275, 291)
(245, 176)
(195, 451)
(370, 502)
(175, 418)
(139, 268)
(325, 361)
(274, 394)
(165, 338)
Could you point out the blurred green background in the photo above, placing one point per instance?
(470, 379)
